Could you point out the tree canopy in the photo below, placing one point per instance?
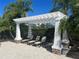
(72, 23)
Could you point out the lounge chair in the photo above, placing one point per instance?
(40, 42)
(28, 39)
(33, 41)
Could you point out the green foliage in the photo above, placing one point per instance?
(71, 24)
(66, 3)
(4, 25)
(63, 24)
(18, 9)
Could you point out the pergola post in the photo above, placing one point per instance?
(18, 33)
(65, 43)
(29, 32)
(56, 47)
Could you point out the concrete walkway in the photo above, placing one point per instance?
(10, 50)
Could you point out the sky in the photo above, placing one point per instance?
(38, 6)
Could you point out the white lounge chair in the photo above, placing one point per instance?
(26, 40)
(40, 42)
(33, 41)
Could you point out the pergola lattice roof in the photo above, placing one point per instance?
(44, 18)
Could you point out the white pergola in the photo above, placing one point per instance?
(53, 18)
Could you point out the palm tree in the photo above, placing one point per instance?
(72, 24)
(64, 5)
(17, 9)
